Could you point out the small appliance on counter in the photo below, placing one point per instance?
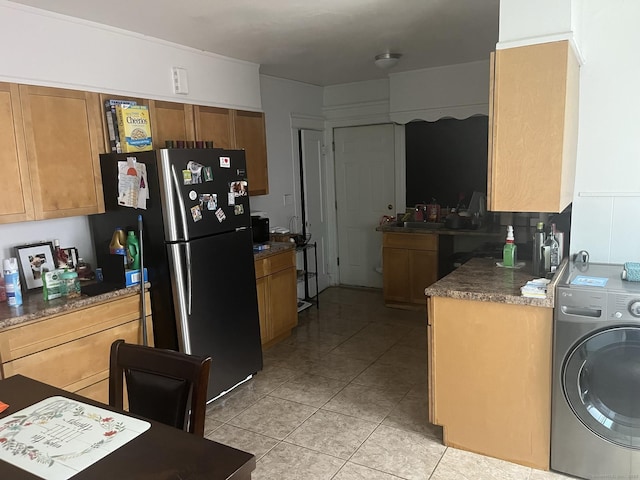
(260, 228)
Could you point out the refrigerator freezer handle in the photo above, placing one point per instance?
(183, 217)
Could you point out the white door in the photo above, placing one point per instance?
(315, 187)
(365, 191)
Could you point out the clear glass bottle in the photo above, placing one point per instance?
(537, 259)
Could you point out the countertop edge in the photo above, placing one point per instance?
(61, 306)
(274, 249)
(436, 290)
(439, 231)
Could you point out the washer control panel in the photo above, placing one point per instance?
(623, 307)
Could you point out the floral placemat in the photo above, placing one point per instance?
(59, 437)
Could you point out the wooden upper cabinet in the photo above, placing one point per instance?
(250, 136)
(533, 128)
(16, 204)
(214, 124)
(63, 134)
(171, 121)
(104, 97)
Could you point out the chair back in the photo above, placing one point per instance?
(163, 385)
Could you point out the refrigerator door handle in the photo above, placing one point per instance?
(183, 217)
(180, 267)
(187, 251)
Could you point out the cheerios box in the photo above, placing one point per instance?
(134, 128)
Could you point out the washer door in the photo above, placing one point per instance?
(601, 381)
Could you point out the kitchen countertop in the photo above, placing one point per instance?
(481, 280)
(34, 307)
(274, 249)
(441, 231)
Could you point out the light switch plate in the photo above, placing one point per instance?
(180, 81)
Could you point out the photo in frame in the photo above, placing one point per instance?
(30, 260)
(68, 258)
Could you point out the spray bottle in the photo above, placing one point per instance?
(509, 252)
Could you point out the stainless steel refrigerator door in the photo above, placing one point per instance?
(204, 192)
(216, 305)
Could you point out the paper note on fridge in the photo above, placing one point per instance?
(132, 184)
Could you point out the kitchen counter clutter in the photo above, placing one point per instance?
(66, 342)
(441, 231)
(489, 362)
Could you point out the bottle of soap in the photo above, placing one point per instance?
(509, 252)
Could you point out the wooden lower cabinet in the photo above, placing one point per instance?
(71, 350)
(490, 378)
(409, 265)
(277, 296)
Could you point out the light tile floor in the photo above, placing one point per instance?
(345, 398)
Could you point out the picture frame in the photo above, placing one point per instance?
(71, 256)
(31, 257)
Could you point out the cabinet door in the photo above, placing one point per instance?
(250, 136)
(16, 204)
(64, 139)
(423, 271)
(214, 124)
(262, 285)
(171, 121)
(105, 128)
(395, 275)
(282, 302)
(534, 128)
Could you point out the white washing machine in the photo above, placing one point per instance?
(595, 430)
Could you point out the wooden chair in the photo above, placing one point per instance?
(162, 385)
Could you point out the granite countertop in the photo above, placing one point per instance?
(274, 249)
(34, 306)
(440, 231)
(481, 280)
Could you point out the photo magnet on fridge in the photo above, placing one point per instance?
(193, 195)
(231, 199)
(238, 209)
(225, 162)
(208, 201)
(186, 177)
(239, 189)
(196, 213)
(196, 172)
(220, 215)
(208, 174)
(241, 172)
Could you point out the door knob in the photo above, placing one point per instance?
(390, 207)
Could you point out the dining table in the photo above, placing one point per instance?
(161, 452)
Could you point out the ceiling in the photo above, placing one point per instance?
(322, 42)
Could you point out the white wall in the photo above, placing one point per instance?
(43, 48)
(606, 205)
(285, 102)
(457, 91)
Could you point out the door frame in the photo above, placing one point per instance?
(400, 179)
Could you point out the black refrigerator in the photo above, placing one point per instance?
(198, 252)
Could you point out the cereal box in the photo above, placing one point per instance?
(134, 128)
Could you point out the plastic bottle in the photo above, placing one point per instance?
(3, 293)
(509, 251)
(537, 259)
(70, 284)
(12, 282)
(555, 249)
(133, 251)
(118, 242)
